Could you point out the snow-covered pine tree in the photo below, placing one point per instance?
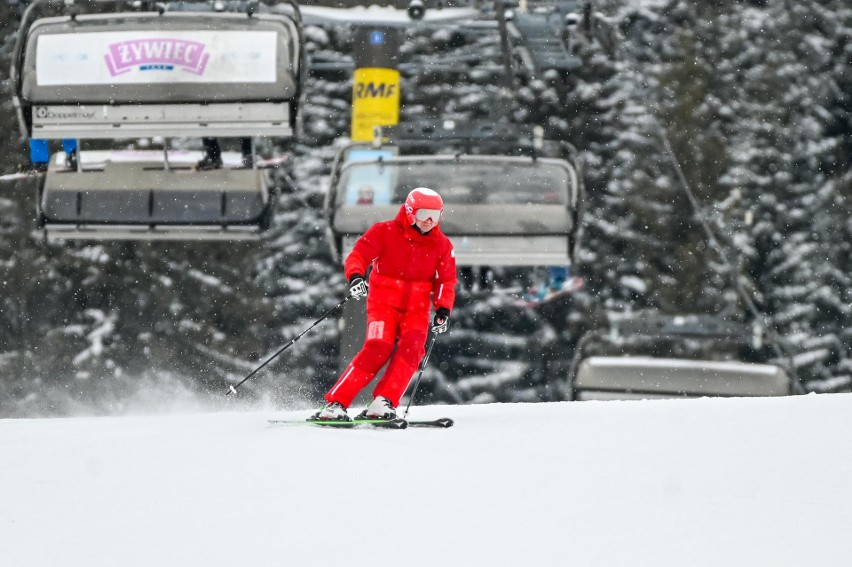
(779, 72)
(643, 248)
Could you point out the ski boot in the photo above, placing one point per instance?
(70, 161)
(379, 408)
(208, 162)
(332, 411)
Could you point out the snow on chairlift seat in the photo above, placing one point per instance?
(639, 377)
(177, 74)
(498, 210)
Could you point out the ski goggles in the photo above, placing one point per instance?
(428, 214)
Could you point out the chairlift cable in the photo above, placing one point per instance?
(712, 241)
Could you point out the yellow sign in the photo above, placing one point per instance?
(375, 101)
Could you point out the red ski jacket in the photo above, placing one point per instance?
(407, 265)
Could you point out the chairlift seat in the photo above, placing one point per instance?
(638, 377)
(136, 195)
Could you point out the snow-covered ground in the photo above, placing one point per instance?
(752, 482)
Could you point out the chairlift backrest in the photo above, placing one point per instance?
(176, 73)
(135, 58)
(498, 210)
(692, 371)
(626, 377)
(461, 180)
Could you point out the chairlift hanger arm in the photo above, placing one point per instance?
(501, 138)
(18, 50)
(388, 12)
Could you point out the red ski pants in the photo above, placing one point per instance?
(386, 327)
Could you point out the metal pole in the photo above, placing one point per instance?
(420, 374)
(166, 165)
(233, 389)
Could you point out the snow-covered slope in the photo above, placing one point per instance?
(689, 482)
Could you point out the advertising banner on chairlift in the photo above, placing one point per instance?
(113, 58)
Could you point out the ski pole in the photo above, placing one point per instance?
(420, 374)
(233, 389)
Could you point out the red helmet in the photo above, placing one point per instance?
(425, 203)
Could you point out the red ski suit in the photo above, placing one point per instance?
(408, 267)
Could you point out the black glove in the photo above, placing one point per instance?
(441, 322)
(357, 286)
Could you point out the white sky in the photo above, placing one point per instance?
(752, 482)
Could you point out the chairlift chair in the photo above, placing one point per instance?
(126, 75)
(499, 209)
(641, 376)
(543, 33)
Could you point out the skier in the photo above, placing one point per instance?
(411, 259)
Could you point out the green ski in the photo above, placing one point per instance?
(398, 423)
(349, 424)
